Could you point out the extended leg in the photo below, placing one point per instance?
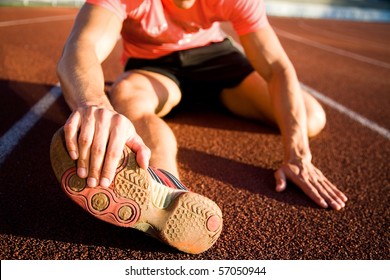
(144, 97)
(251, 99)
(152, 200)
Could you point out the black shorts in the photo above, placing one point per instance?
(200, 71)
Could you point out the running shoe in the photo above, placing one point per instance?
(153, 201)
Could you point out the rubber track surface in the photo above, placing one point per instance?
(223, 157)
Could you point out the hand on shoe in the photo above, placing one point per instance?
(312, 182)
(95, 137)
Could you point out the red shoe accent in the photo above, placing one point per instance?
(152, 201)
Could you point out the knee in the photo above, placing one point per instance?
(131, 100)
(316, 121)
(150, 92)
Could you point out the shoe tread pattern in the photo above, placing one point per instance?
(187, 224)
(183, 223)
(131, 182)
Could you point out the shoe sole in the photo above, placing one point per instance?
(184, 220)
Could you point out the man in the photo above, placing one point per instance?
(170, 48)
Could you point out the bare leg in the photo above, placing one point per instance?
(144, 97)
(185, 220)
(251, 100)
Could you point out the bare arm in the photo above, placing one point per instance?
(93, 37)
(266, 54)
(95, 134)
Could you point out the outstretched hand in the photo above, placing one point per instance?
(95, 137)
(312, 182)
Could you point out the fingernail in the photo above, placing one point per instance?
(91, 182)
(324, 204)
(336, 206)
(82, 172)
(104, 182)
(73, 155)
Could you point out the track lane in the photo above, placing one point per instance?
(228, 159)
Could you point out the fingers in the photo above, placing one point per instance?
(333, 196)
(281, 182)
(78, 146)
(336, 191)
(139, 148)
(113, 154)
(85, 138)
(316, 186)
(116, 143)
(98, 148)
(71, 128)
(118, 139)
(320, 195)
(95, 137)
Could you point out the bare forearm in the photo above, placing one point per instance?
(267, 56)
(81, 76)
(290, 114)
(93, 37)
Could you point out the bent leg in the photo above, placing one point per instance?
(251, 100)
(144, 97)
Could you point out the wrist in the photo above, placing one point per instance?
(98, 102)
(296, 147)
(297, 154)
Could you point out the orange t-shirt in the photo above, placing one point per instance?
(154, 28)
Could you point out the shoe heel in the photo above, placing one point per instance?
(194, 223)
(184, 220)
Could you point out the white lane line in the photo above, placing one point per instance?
(16, 133)
(35, 20)
(332, 49)
(351, 114)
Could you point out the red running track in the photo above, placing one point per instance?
(225, 158)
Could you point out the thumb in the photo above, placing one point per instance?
(280, 180)
(141, 151)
